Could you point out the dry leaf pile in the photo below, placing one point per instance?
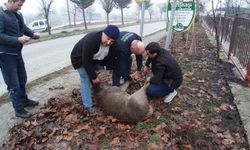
(202, 116)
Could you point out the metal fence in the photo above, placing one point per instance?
(234, 34)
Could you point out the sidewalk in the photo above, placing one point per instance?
(56, 84)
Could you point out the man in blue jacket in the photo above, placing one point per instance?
(13, 34)
(93, 50)
(128, 43)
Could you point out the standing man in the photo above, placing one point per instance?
(167, 74)
(13, 34)
(127, 44)
(95, 49)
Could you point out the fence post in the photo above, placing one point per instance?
(233, 36)
(247, 78)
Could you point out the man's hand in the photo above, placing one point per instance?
(146, 69)
(23, 39)
(137, 75)
(36, 35)
(96, 81)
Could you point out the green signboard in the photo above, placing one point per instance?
(184, 15)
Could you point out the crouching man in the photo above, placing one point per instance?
(167, 75)
(95, 49)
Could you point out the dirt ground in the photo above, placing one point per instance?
(202, 117)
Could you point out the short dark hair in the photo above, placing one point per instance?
(153, 47)
(16, 1)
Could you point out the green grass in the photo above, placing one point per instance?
(154, 138)
(140, 126)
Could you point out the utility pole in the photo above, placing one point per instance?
(142, 18)
(170, 25)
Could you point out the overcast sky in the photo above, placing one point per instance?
(31, 6)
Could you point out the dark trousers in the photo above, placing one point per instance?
(14, 75)
(158, 90)
(122, 70)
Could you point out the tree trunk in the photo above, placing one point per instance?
(68, 12)
(85, 23)
(75, 16)
(122, 16)
(107, 18)
(216, 33)
(47, 20)
(74, 19)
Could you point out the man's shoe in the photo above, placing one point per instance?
(170, 97)
(30, 103)
(23, 113)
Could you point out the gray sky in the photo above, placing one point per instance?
(31, 7)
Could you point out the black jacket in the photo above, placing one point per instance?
(83, 52)
(165, 69)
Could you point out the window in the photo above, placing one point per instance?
(35, 24)
(41, 23)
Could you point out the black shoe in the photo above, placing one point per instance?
(30, 103)
(23, 113)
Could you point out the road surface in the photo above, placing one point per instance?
(45, 57)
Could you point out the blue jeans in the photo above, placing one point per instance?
(85, 88)
(14, 75)
(122, 70)
(158, 90)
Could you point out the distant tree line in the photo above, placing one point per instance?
(107, 5)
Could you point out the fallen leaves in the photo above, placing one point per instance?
(192, 121)
(225, 107)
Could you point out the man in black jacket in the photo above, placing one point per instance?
(167, 75)
(128, 43)
(96, 48)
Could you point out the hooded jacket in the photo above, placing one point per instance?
(164, 67)
(84, 50)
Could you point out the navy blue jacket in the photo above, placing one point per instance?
(123, 44)
(11, 27)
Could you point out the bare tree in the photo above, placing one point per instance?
(74, 12)
(162, 8)
(150, 12)
(122, 4)
(89, 14)
(230, 5)
(108, 6)
(67, 2)
(83, 4)
(216, 33)
(200, 8)
(45, 5)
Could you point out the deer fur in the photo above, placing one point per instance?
(124, 107)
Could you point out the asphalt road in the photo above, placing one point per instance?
(45, 57)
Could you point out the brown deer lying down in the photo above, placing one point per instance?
(124, 107)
